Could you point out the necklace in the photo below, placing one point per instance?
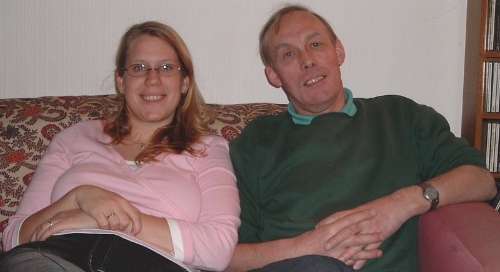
(141, 145)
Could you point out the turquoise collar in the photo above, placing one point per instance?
(349, 109)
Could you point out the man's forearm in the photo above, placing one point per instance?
(255, 255)
(462, 184)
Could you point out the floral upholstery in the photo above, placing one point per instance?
(27, 125)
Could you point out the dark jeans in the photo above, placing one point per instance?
(310, 263)
(85, 252)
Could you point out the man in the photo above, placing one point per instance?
(336, 176)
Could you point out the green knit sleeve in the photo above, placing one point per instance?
(242, 153)
(438, 149)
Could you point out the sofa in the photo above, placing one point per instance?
(462, 237)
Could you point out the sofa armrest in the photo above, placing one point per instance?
(460, 237)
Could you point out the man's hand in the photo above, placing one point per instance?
(110, 210)
(389, 213)
(337, 239)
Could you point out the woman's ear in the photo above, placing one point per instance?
(119, 83)
(185, 85)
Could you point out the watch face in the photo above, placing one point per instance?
(431, 193)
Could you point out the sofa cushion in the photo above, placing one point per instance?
(460, 237)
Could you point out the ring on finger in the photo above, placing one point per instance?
(50, 223)
(110, 215)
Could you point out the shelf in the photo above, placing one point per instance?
(491, 55)
(481, 80)
(490, 115)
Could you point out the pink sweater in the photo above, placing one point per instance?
(196, 195)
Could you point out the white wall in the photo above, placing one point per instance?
(66, 47)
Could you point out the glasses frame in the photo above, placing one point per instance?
(158, 69)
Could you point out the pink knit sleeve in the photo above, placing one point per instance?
(209, 242)
(37, 195)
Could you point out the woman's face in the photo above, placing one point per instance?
(152, 98)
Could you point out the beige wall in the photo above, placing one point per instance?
(66, 47)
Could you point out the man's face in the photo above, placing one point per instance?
(305, 62)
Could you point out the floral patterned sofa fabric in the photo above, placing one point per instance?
(28, 124)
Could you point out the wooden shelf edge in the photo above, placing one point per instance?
(493, 55)
(490, 115)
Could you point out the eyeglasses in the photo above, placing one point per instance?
(141, 69)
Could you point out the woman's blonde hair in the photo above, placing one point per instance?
(188, 124)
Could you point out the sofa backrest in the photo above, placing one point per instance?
(27, 125)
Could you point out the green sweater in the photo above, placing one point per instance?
(292, 176)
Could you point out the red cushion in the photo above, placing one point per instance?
(461, 237)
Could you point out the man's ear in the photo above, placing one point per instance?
(185, 85)
(339, 50)
(272, 77)
(119, 83)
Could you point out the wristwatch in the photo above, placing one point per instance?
(430, 194)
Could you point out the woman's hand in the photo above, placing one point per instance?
(67, 220)
(110, 210)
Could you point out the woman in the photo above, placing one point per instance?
(145, 191)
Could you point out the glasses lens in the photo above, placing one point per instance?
(168, 69)
(138, 69)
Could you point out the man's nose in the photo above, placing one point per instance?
(307, 60)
